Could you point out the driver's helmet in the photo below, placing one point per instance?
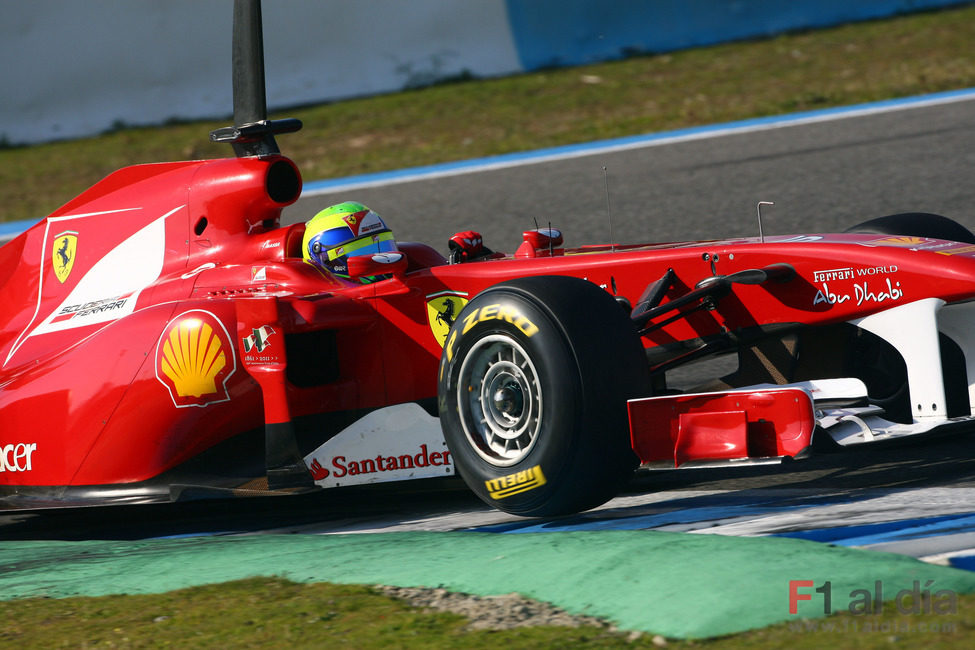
(342, 231)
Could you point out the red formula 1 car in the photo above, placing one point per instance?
(162, 338)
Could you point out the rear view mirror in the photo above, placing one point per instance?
(377, 264)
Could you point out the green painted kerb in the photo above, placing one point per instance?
(674, 584)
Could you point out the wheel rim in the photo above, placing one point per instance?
(500, 400)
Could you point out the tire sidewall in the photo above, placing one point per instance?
(523, 485)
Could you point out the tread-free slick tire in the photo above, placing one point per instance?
(534, 380)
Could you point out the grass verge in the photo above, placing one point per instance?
(276, 613)
(909, 55)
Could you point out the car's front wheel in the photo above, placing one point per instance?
(534, 381)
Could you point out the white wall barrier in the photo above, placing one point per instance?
(73, 68)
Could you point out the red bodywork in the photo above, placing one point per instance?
(164, 312)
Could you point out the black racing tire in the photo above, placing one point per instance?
(533, 386)
(916, 224)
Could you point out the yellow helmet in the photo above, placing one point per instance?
(345, 230)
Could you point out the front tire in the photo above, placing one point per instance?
(534, 381)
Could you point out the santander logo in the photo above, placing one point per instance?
(339, 466)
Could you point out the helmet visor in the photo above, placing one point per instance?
(335, 258)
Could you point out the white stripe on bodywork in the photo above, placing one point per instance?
(126, 270)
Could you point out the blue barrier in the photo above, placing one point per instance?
(551, 33)
(10, 229)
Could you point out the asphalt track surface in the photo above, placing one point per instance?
(822, 176)
(911, 499)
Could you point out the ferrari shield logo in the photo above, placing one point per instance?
(442, 311)
(62, 256)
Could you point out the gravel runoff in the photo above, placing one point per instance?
(500, 612)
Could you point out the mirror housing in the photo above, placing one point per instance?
(394, 263)
(540, 242)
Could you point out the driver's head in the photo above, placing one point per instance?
(342, 231)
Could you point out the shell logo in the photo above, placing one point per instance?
(195, 358)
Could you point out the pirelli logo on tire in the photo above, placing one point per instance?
(497, 311)
(512, 484)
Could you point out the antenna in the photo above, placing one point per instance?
(250, 100)
(761, 235)
(252, 133)
(609, 211)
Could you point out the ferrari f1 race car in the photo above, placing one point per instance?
(162, 338)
